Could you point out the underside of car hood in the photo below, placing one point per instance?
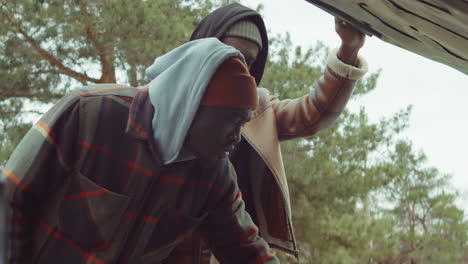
(436, 29)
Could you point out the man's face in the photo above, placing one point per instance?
(248, 48)
(215, 131)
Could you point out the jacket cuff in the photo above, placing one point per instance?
(345, 70)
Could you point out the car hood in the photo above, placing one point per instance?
(436, 29)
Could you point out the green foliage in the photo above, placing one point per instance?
(13, 127)
(291, 72)
(360, 194)
(92, 39)
(47, 47)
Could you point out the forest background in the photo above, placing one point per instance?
(360, 192)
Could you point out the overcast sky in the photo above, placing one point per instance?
(438, 93)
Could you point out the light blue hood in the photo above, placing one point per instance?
(178, 82)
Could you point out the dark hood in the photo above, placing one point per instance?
(220, 20)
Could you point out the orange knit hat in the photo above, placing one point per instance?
(231, 86)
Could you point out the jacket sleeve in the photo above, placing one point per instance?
(37, 167)
(231, 233)
(307, 115)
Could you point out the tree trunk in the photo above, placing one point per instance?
(132, 75)
(108, 66)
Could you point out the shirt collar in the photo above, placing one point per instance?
(141, 113)
(139, 122)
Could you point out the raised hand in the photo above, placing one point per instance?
(351, 41)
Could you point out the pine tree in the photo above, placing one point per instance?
(359, 193)
(49, 47)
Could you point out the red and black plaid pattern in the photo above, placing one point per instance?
(86, 185)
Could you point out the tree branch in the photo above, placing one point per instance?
(91, 35)
(108, 74)
(54, 61)
(46, 71)
(4, 95)
(47, 55)
(342, 241)
(132, 73)
(403, 256)
(3, 4)
(24, 112)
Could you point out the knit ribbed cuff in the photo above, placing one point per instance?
(345, 70)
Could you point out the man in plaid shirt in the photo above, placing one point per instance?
(91, 182)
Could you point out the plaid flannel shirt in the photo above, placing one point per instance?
(85, 185)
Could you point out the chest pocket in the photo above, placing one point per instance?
(172, 228)
(89, 214)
